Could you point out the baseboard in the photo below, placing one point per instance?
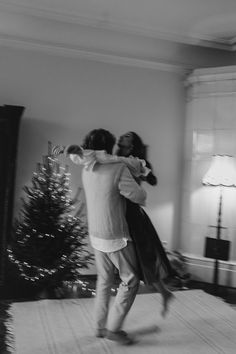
(202, 269)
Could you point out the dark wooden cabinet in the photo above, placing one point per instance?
(10, 117)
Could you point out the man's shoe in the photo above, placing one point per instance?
(120, 337)
(100, 333)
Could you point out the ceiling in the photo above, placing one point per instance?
(95, 25)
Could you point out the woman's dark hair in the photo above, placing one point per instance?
(99, 139)
(139, 149)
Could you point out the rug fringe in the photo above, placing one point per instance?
(8, 328)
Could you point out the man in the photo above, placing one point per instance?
(106, 186)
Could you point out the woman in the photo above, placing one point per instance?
(152, 257)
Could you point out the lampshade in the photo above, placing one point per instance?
(222, 172)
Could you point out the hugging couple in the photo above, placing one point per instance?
(120, 232)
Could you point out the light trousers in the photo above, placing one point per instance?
(126, 262)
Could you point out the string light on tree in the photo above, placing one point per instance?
(49, 244)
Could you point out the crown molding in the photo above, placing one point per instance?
(233, 44)
(209, 82)
(72, 18)
(52, 48)
(212, 74)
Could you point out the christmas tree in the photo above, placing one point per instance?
(49, 244)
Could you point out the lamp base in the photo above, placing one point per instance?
(217, 249)
(217, 290)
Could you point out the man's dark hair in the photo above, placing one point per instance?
(99, 139)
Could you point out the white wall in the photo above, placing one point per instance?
(67, 97)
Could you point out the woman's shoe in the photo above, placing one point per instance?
(166, 301)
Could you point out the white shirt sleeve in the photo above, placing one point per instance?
(76, 159)
(130, 189)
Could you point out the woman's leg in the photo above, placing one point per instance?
(167, 295)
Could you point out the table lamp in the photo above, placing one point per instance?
(221, 173)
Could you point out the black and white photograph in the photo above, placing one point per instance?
(118, 176)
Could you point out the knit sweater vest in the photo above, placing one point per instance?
(106, 207)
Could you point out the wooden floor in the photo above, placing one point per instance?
(197, 323)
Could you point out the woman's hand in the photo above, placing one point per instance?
(71, 149)
(58, 149)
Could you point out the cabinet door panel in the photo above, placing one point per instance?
(9, 127)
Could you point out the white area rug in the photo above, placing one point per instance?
(197, 323)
